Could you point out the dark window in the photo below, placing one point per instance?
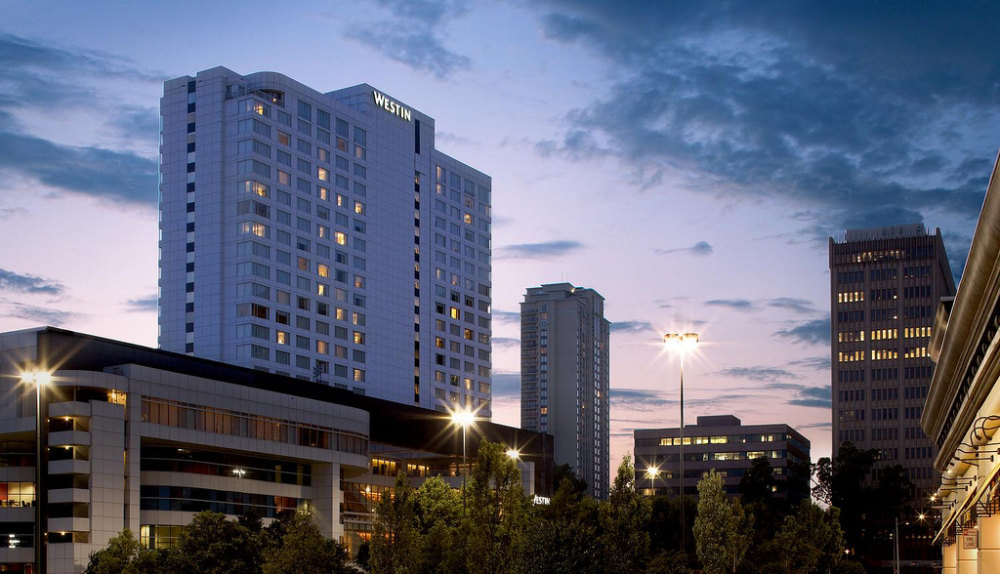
(190, 128)
(190, 186)
(190, 207)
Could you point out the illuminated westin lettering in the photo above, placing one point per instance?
(391, 106)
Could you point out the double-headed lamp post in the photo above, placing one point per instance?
(681, 344)
(463, 418)
(38, 379)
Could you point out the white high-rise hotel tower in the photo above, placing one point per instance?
(322, 236)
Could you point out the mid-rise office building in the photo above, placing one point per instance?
(139, 438)
(565, 378)
(721, 443)
(324, 237)
(885, 284)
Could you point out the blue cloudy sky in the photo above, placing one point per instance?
(688, 160)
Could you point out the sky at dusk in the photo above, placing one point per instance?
(688, 160)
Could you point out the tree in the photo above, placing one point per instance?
(722, 531)
(623, 519)
(565, 472)
(302, 549)
(211, 544)
(809, 541)
(121, 556)
(713, 526)
(438, 519)
(743, 534)
(496, 514)
(395, 546)
(563, 537)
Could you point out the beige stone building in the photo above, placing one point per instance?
(962, 412)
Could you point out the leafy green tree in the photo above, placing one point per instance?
(122, 556)
(497, 506)
(810, 541)
(743, 534)
(301, 549)
(211, 544)
(668, 562)
(563, 537)
(713, 526)
(565, 472)
(438, 520)
(623, 520)
(664, 533)
(722, 530)
(395, 546)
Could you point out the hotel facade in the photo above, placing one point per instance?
(962, 412)
(322, 236)
(139, 438)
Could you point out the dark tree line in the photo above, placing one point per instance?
(492, 527)
(211, 544)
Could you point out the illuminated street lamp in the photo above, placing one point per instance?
(513, 454)
(38, 379)
(651, 473)
(681, 344)
(463, 418)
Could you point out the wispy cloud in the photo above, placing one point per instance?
(37, 77)
(506, 317)
(815, 332)
(762, 374)
(638, 400)
(817, 363)
(734, 304)
(814, 397)
(700, 249)
(543, 250)
(11, 281)
(41, 315)
(506, 342)
(767, 100)
(112, 175)
(413, 34)
(631, 327)
(506, 384)
(792, 304)
(144, 304)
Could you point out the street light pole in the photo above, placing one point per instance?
(463, 418)
(682, 344)
(38, 378)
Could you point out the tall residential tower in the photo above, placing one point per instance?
(322, 236)
(885, 284)
(565, 377)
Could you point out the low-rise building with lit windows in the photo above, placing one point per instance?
(142, 439)
(962, 412)
(721, 443)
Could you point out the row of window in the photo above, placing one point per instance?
(880, 414)
(881, 354)
(723, 439)
(189, 499)
(234, 423)
(885, 274)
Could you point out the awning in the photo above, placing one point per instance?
(970, 501)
